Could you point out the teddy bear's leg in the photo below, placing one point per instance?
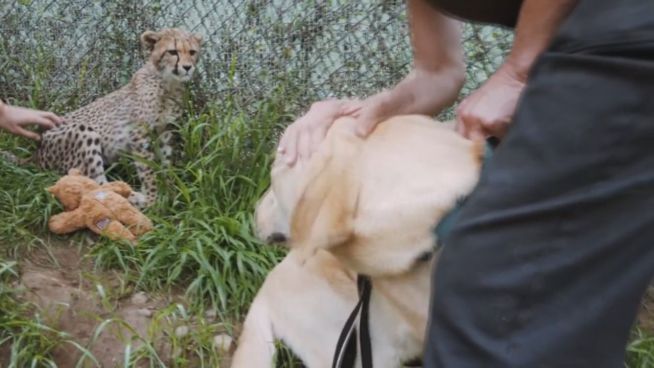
(67, 222)
(99, 219)
(141, 227)
(116, 231)
(135, 221)
(101, 223)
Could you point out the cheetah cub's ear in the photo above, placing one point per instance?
(149, 39)
(198, 38)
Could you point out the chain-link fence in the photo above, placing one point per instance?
(64, 53)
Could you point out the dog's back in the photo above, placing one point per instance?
(371, 205)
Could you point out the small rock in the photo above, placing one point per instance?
(139, 298)
(211, 313)
(222, 342)
(181, 331)
(145, 312)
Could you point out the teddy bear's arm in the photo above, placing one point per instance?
(119, 187)
(67, 222)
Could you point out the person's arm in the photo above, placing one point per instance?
(434, 82)
(438, 69)
(538, 22)
(13, 118)
(489, 110)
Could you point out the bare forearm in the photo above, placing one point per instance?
(421, 92)
(537, 24)
(438, 69)
(488, 111)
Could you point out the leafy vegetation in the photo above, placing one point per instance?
(202, 247)
(202, 253)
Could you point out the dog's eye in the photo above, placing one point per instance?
(173, 52)
(425, 256)
(193, 52)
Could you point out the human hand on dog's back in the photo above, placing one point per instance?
(433, 83)
(302, 137)
(488, 111)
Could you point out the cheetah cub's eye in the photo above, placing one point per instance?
(173, 52)
(193, 52)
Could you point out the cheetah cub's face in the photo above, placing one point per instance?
(174, 52)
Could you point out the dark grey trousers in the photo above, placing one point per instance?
(550, 255)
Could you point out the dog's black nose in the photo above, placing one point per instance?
(187, 67)
(276, 238)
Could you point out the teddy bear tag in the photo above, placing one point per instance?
(103, 223)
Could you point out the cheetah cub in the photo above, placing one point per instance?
(123, 120)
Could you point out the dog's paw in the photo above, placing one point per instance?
(138, 200)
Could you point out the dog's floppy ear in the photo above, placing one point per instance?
(324, 215)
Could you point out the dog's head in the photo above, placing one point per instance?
(372, 203)
(274, 209)
(289, 186)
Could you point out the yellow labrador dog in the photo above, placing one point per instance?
(358, 206)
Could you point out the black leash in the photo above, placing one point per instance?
(346, 347)
(365, 288)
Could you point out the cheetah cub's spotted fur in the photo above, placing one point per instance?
(122, 121)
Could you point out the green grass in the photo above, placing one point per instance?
(203, 237)
(202, 244)
(640, 352)
(25, 339)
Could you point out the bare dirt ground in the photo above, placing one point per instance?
(72, 303)
(76, 300)
(61, 284)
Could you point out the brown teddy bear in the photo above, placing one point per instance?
(102, 208)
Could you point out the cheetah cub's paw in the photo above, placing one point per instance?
(138, 200)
